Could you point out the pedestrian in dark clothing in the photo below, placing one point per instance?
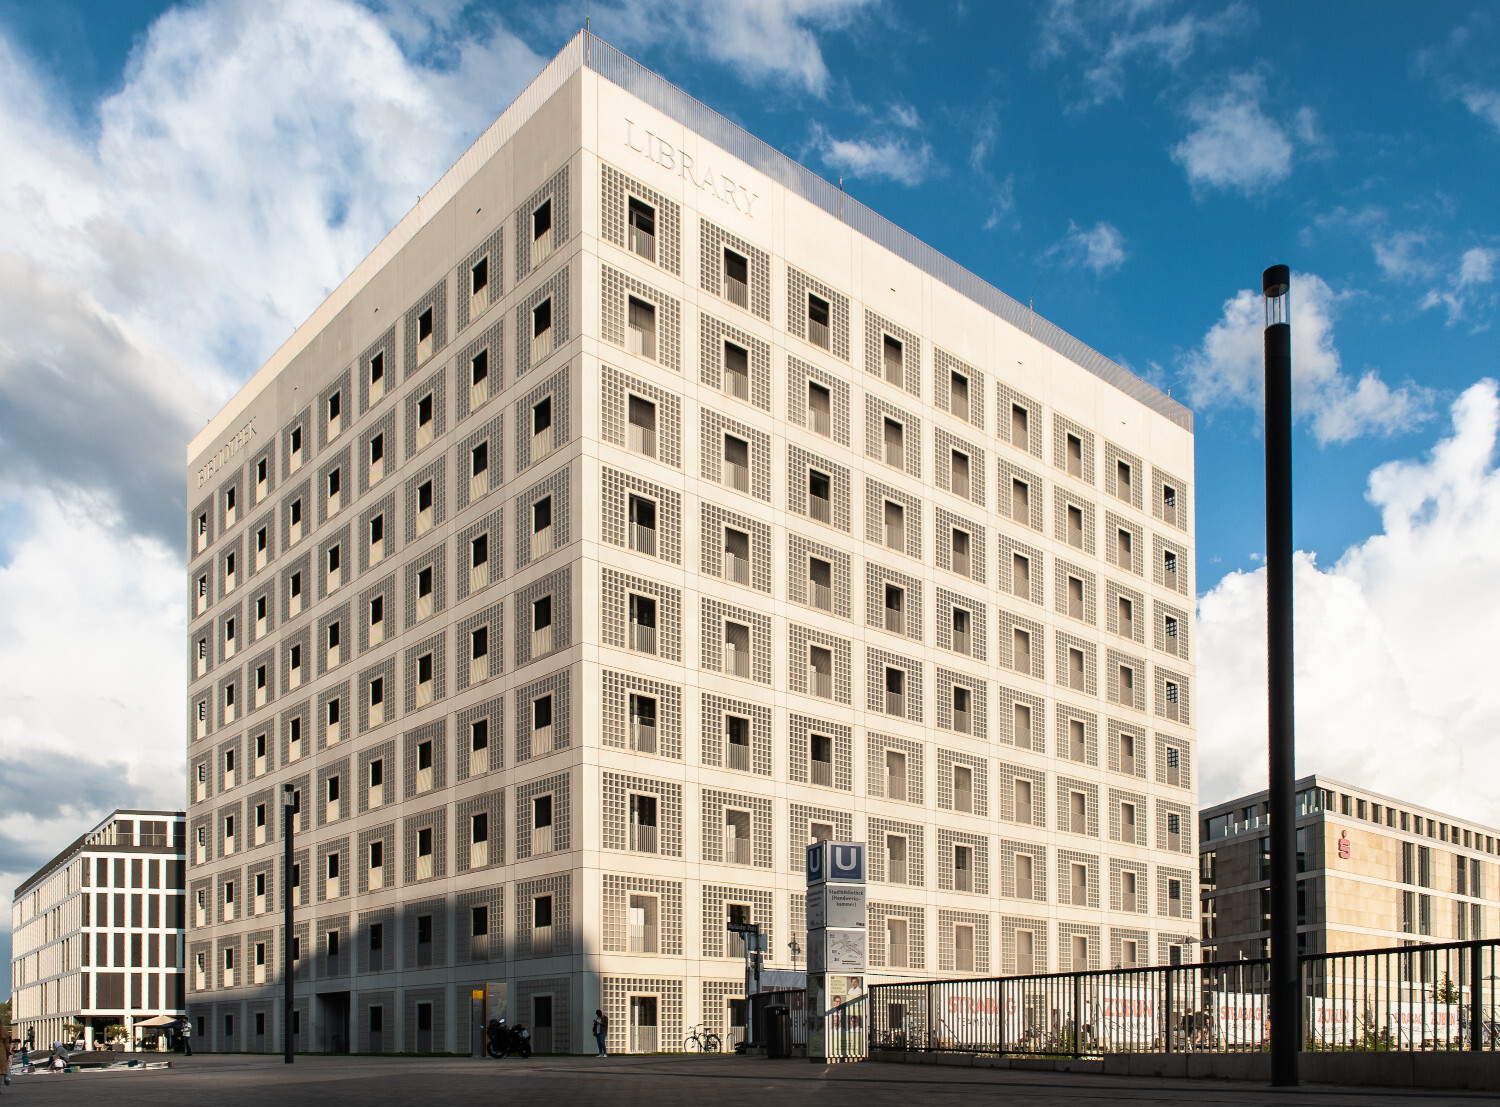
(601, 1031)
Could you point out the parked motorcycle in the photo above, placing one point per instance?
(503, 1038)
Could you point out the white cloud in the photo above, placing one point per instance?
(1483, 102)
(1234, 144)
(891, 156)
(766, 41)
(1100, 247)
(1394, 654)
(1228, 369)
(1469, 285)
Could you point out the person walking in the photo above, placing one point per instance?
(5, 1045)
(601, 1031)
(187, 1037)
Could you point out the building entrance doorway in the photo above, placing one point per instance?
(333, 1022)
(643, 1036)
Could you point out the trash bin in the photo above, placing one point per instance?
(777, 1032)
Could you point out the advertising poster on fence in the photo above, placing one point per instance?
(1329, 1022)
(1125, 1018)
(970, 1020)
(1241, 1019)
(1412, 1024)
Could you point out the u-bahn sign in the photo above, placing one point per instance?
(835, 861)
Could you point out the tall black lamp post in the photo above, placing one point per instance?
(288, 814)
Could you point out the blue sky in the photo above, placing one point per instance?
(1133, 163)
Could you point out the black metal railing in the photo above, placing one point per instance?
(1418, 998)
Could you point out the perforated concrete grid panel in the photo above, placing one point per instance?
(714, 429)
(1062, 426)
(800, 729)
(1160, 547)
(714, 618)
(491, 714)
(716, 901)
(1008, 491)
(1067, 786)
(1007, 624)
(944, 524)
(616, 790)
(434, 478)
(492, 901)
(615, 895)
(1063, 643)
(1164, 810)
(434, 909)
(385, 917)
(944, 446)
(492, 529)
(1160, 613)
(1166, 680)
(800, 552)
(1135, 697)
(799, 641)
(385, 672)
(233, 484)
(1118, 936)
(383, 428)
(616, 690)
(298, 497)
(978, 689)
(266, 522)
(798, 286)
(206, 517)
(435, 735)
(559, 787)
(1160, 481)
(492, 806)
(878, 933)
(301, 421)
(799, 374)
(385, 346)
(333, 707)
(230, 956)
(715, 805)
(979, 781)
(296, 720)
(712, 240)
(338, 847)
(342, 389)
(491, 252)
(1062, 500)
(229, 887)
(1037, 928)
(328, 772)
(1118, 797)
(712, 335)
(1113, 456)
(559, 888)
(714, 522)
(615, 389)
(486, 353)
(945, 365)
(1066, 859)
(559, 586)
(436, 560)
(1113, 525)
(385, 588)
(436, 821)
(557, 486)
(554, 388)
(487, 438)
(615, 590)
(1009, 850)
(877, 495)
(1065, 715)
(1166, 742)
(979, 922)
(333, 548)
(492, 621)
(798, 905)
(616, 189)
(295, 647)
(385, 753)
(1067, 931)
(436, 301)
(230, 628)
(1164, 944)
(1113, 594)
(978, 844)
(262, 492)
(877, 831)
(558, 687)
(615, 292)
(800, 835)
(876, 747)
(876, 663)
(1163, 899)
(296, 576)
(800, 464)
(1062, 596)
(434, 651)
(556, 189)
(227, 815)
(1006, 776)
(1006, 551)
(617, 487)
(716, 997)
(712, 714)
(877, 329)
(946, 603)
(558, 289)
(877, 411)
(616, 993)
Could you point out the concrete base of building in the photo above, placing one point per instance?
(1448, 1070)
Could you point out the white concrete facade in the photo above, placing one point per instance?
(774, 532)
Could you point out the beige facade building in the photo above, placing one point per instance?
(97, 932)
(1373, 872)
(638, 511)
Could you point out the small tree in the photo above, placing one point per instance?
(1444, 991)
(73, 1030)
(114, 1032)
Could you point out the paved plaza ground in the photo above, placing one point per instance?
(655, 1081)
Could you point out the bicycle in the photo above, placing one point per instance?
(701, 1039)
